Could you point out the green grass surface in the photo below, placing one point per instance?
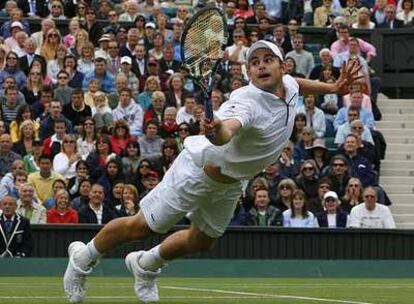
(219, 291)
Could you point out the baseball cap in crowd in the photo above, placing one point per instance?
(105, 37)
(16, 24)
(153, 61)
(126, 59)
(37, 143)
(263, 44)
(150, 24)
(152, 174)
(331, 194)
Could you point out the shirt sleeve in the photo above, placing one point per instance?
(242, 111)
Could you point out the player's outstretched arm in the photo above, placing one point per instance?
(349, 74)
(221, 131)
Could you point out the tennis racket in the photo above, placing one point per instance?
(203, 42)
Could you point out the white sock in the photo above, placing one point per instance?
(88, 256)
(151, 260)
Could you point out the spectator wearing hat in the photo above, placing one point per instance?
(102, 51)
(92, 26)
(12, 42)
(149, 33)
(101, 73)
(150, 180)
(332, 216)
(370, 214)
(155, 71)
(125, 68)
(319, 153)
(16, 15)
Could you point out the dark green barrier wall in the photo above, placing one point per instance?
(255, 243)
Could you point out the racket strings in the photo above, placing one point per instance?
(203, 43)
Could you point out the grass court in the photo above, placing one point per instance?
(40, 290)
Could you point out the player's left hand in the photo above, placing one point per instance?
(349, 75)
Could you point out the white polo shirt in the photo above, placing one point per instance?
(267, 123)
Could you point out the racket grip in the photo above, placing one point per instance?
(209, 114)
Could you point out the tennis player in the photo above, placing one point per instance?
(204, 182)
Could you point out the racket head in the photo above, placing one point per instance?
(203, 42)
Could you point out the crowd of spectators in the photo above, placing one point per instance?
(94, 113)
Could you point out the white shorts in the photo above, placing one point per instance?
(186, 189)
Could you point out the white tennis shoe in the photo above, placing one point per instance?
(75, 278)
(145, 286)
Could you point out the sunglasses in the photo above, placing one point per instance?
(168, 147)
(63, 77)
(357, 128)
(90, 13)
(308, 169)
(183, 130)
(330, 200)
(338, 165)
(112, 15)
(284, 187)
(145, 166)
(68, 141)
(54, 35)
(369, 196)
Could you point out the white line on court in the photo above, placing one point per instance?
(263, 295)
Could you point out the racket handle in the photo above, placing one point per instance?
(209, 113)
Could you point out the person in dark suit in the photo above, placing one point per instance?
(26, 60)
(391, 21)
(167, 62)
(40, 8)
(139, 61)
(332, 216)
(15, 234)
(97, 211)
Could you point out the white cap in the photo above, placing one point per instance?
(16, 24)
(330, 194)
(126, 59)
(263, 44)
(150, 24)
(105, 37)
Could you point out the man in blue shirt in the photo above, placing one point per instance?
(106, 78)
